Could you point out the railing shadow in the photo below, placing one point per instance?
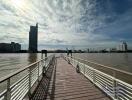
(42, 90)
(51, 94)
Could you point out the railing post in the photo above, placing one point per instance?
(73, 61)
(42, 63)
(38, 71)
(8, 93)
(29, 92)
(44, 66)
(84, 69)
(115, 86)
(69, 60)
(115, 90)
(94, 76)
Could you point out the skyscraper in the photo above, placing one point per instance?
(122, 47)
(33, 38)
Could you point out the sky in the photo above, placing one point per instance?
(67, 23)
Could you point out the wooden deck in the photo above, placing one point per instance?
(66, 84)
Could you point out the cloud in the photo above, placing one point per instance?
(67, 22)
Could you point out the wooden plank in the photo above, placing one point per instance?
(66, 84)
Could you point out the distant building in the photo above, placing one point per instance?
(122, 47)
(10, 47)
(111, 50)
(33, 38)
(87, 50)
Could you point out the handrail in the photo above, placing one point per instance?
(115, 88)
(114, 69)
(19, 70)
(21, 87)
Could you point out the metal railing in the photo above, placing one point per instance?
(115, 88)
(26, 78)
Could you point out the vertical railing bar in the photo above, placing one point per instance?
(8, 93)
(29, 92)
(74, 61)
(38, 71)
(94, 76)
(43, 66)
(42, 62)
(115, 89)
(84, 69)
(114, 85)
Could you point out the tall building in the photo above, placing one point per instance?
(122, 47)
(33, 38)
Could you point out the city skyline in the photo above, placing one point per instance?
(62, 24)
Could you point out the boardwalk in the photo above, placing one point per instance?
(66, 84)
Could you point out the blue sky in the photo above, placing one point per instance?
(67, 23)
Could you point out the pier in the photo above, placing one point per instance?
(63, 78)
(68, 85)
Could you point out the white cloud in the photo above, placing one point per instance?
(60, 21)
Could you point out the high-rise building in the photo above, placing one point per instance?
(122, 47)
(33, 38)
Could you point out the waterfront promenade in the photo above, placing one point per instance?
(66, 84)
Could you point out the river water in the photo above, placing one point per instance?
(118, 65)
(14, 61)
(122, 61)
(11, 62)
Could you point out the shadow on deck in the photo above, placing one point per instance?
(61, 82)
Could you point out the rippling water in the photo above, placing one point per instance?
(122, 61)
(11, 62)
